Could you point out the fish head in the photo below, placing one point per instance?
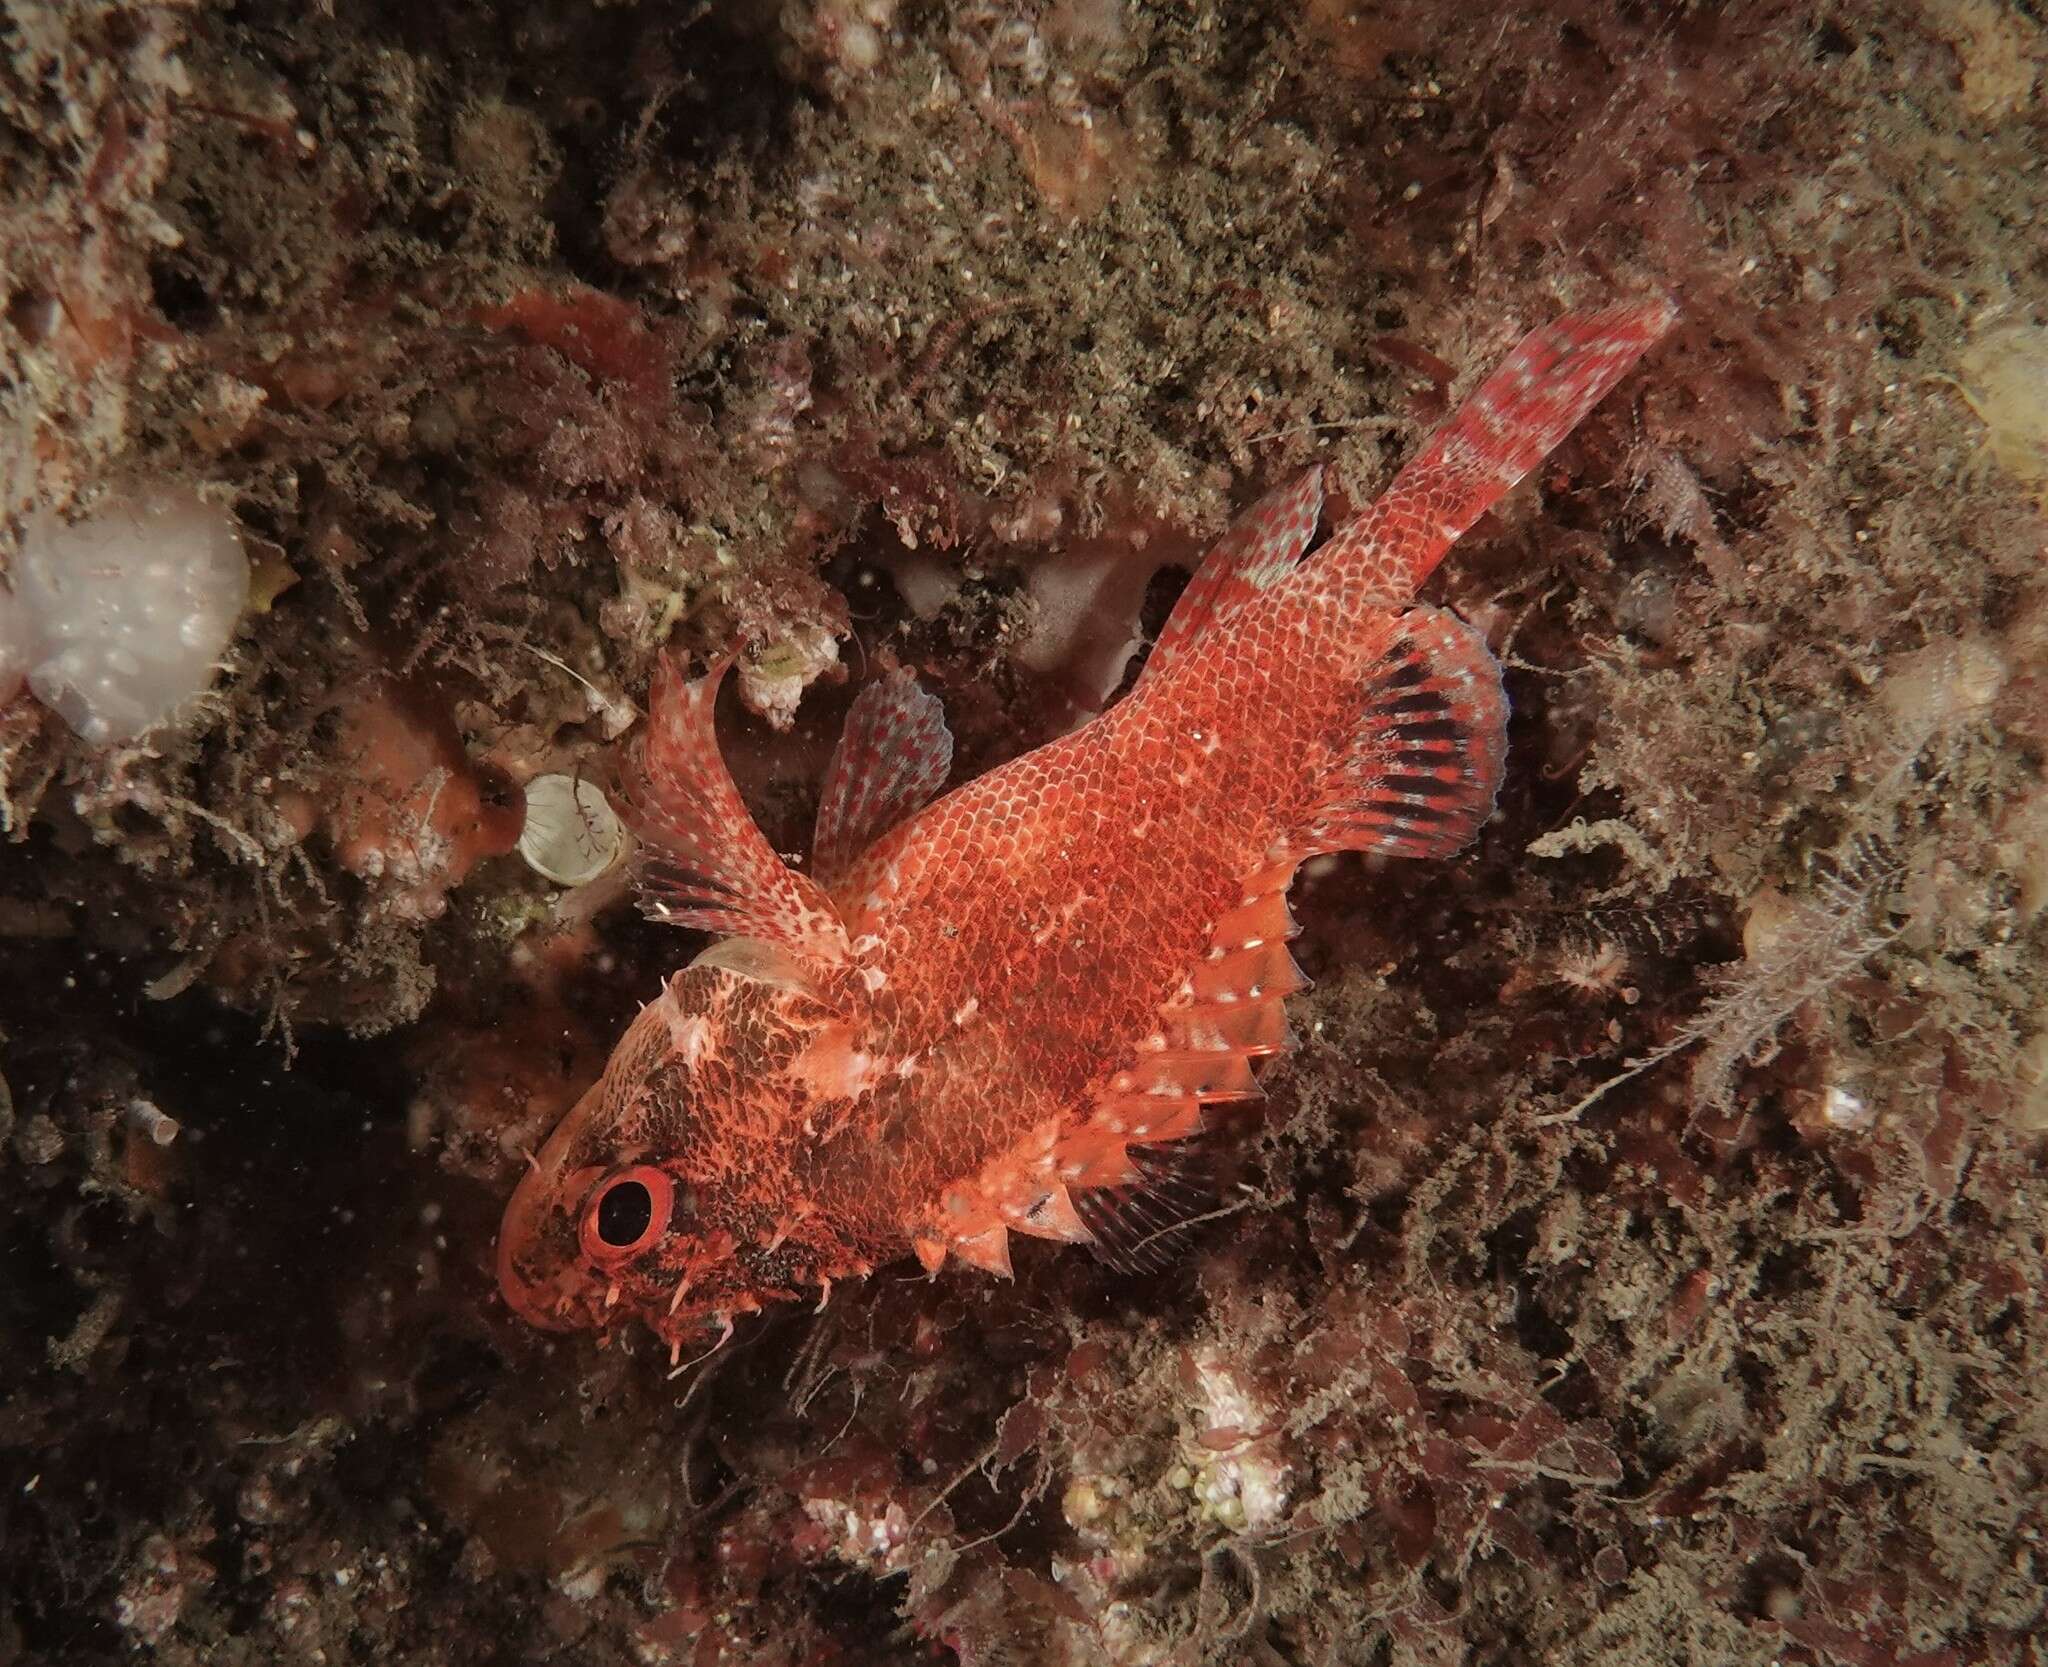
(635, 1208)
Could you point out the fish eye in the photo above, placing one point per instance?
(628, 1210)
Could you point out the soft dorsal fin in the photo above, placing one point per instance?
(893, 755)
(1129, 1168)
(1227, 1012)
(1430, 745)
(1123, 1178)
(702, 861)
(1260, 549)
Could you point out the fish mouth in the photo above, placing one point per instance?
(548, 1299)
(539, 1273)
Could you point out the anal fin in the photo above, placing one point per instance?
(1261, 548)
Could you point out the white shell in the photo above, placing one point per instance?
(572, 836)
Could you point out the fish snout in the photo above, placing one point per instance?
(540, 1268)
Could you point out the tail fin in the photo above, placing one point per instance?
(1539, 394)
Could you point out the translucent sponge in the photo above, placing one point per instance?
(117, 620)
(2005, 376)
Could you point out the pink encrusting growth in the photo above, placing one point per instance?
(1002, 1012)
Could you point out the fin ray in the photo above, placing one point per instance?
(1252, 1028)
(988, 1250)
(1228, 1012)
(1252, 973)
(1431, 747)
(761, 962)
(1141, 1226)
(1219, 1073)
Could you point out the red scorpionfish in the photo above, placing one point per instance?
(1000, 1011)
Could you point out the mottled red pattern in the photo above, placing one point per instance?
(967, 1026)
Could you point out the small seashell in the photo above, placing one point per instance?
(572, 836)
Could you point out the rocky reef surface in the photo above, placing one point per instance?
(1640, 1261)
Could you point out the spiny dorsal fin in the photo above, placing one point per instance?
(988, 1250)
(893, 755)
(702, 861)
(1429, 750)
(1260, 549)
(1516, 417)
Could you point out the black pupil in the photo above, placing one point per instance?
(624, 1213)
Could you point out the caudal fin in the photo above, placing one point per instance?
(1540, 393)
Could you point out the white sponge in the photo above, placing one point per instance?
(117, 620)
(14, 648)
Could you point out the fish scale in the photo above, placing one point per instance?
(1006, 1010)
